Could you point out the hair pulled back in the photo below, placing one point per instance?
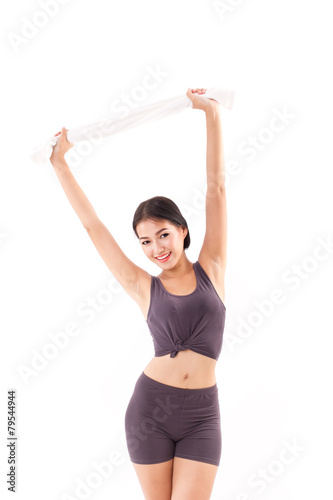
(160, 208)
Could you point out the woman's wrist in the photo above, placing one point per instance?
(213, 108)
(58, 161)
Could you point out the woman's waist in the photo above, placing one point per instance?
(187, 369)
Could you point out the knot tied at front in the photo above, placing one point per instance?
(179, 347)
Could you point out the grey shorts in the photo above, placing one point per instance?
(162, 422)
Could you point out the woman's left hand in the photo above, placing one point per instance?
(62, 145)
(198, 101)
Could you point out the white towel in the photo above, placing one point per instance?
(114, 124)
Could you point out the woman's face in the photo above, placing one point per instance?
(158, 238)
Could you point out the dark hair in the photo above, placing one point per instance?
(160, 207)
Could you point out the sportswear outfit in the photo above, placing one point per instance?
(164, 421)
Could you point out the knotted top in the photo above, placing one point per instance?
(194, 321)
(179, 346)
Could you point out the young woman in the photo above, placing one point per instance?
(172, 421)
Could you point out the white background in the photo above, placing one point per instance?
(275, 382)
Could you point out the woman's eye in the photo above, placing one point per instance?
(164, 234)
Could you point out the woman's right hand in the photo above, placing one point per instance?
(198, 102)
(62, 145)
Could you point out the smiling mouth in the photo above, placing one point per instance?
(163, 257)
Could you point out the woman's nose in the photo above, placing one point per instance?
(159, 249)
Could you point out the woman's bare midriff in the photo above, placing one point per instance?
(188, 370)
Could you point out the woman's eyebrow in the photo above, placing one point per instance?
(147, 237)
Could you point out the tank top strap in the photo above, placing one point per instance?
(204, 280)
(153, 285)
(156, 290)
(198, 274)
(199, 271)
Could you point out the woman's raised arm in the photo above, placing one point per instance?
(214, 247)
(129, 275)
(74, 193)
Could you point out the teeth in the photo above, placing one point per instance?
(163, 257)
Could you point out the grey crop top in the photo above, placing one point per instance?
(194, 321)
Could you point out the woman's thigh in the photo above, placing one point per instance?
(192, 480)
(155, 480)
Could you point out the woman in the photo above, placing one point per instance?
(172, 421)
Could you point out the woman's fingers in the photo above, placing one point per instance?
(63, 143)
(63, 129)
(199, 91)
(194, 95)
